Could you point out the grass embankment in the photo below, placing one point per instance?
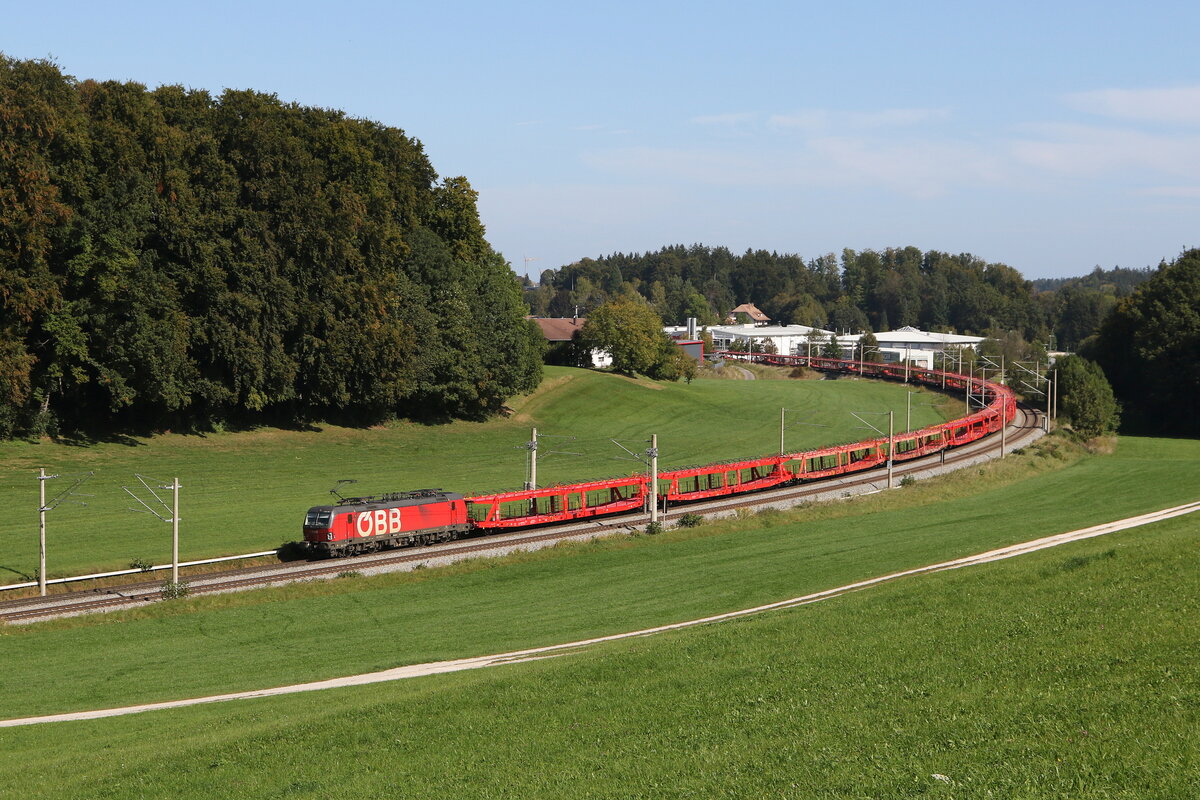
(248, 491)
(1066, 673)
(313, 631)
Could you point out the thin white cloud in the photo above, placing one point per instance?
(905, 152)
(1177, 106)
(579, 207)
(916, 169)
(1082, 150)
(689, 165)
(735, 118)
(1181, 192)
(823, 119)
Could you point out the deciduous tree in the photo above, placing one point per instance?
(1085, 397)
(1149, 347)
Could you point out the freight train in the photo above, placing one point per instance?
(366, 524)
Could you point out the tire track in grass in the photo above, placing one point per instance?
(550, 651)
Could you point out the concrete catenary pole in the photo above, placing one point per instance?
(175, 530)
(891, 444)
(782, 418)
(1003, 426)
(1003, 410)
(653, 478)
(533, 444)
(1054, 396)
(42, 531)
(1055, 415)
(1046, 417)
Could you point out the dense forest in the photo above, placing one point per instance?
(173, 259)
(861, 290)
(1149, 349)
(1118, 281)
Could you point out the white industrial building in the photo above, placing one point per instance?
(904, 344)
(910, 344)
(784, 339)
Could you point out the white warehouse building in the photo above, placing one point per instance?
(784, 339)
(904, 344)
(913, 345)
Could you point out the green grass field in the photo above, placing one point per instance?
(248, 491)
(319, 630)
(1066, 673)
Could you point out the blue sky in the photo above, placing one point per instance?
(1051, 136)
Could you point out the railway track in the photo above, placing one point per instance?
(1024, 429)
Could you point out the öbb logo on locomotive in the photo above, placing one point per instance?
(380, 522)
(365, 524)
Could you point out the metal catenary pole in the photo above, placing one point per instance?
(782, 422)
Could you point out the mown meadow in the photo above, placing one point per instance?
(247, 491)
(317, 630)
(1065, 673)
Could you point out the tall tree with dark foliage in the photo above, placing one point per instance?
(169, 258)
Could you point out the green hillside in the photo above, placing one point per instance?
(1066, 673)
(327, 629)
(245, 492)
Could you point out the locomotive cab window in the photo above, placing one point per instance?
(318, 518)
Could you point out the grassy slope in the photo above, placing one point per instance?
(1066, 673)
(303, 633)
(245, 492)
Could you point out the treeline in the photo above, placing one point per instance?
(858, 291)
(170, 258)
(1118, 281)
(1077, 306)
(1149, 348)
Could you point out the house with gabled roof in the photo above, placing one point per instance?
(748, 312)
(560, 334)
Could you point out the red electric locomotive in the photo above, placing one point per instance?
(366, 524)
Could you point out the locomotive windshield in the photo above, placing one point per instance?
(318, 518)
